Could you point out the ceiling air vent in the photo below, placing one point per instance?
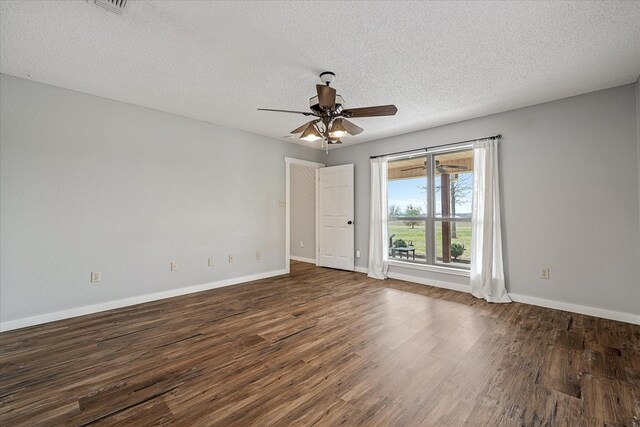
(115, 6)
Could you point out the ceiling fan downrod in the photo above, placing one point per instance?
(327, 77)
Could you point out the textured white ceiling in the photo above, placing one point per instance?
(438, 62)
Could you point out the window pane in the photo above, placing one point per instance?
(453, 243)
(407, 239)
(407, 187)
(454, 184)
(407, 205)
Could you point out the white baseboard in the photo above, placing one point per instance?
(580, 309)
(430, 282)
(110, 305)
(95, 308)
(302, 259)
(525, 299)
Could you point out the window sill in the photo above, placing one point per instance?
(432, 268)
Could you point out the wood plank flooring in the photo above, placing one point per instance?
(323, 347)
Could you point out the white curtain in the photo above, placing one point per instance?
(487, 272)
(378, 240)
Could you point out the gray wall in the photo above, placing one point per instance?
(90, 184)
(638, 134)
(303, 211)
(569, 195)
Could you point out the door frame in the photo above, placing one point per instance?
(287, 226)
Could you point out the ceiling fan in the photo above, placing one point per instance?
(331, 122)
(442, 168)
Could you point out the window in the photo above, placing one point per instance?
(429, 205)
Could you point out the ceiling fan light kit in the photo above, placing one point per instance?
(311, 133)
(337, 129)
(331, 123)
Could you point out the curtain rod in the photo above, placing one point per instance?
(498, 136)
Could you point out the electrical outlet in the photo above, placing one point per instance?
(95, 276)
(544, 273)
(230, 258)
(210, 262)
(174, 266)
(358, 254)
(302, 243)
(258, 256)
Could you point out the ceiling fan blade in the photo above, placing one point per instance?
(351, 128)
(380, 110)
(304, 126)
(287, 111)
(453, 166)
(416, 167)
(326, 96)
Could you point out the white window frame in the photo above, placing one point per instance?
(430, 218)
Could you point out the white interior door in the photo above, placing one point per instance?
(335, 217)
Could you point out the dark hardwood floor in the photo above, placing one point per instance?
(323, 347)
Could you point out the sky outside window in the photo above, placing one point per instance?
(411, 191)
(405, 192)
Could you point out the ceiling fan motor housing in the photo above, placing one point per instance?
(314, 104)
